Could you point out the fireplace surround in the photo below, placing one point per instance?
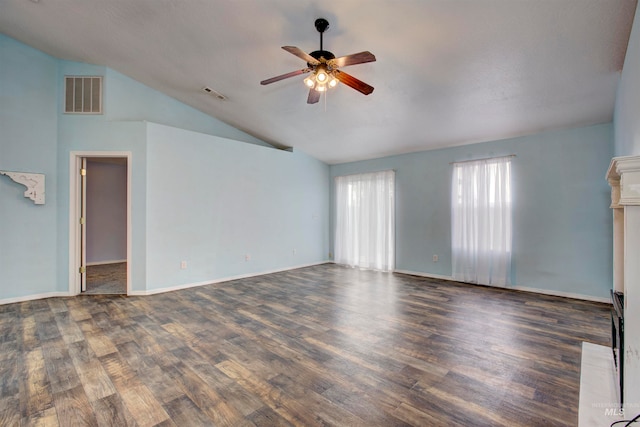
(624, 178)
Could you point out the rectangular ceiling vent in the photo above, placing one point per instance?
(83, 94)
(214, 92)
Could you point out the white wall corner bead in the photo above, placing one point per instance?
(34, 183)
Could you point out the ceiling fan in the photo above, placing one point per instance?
(323, 66)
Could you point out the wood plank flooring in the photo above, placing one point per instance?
(323, 345)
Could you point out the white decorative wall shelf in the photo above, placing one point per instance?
(34, 183)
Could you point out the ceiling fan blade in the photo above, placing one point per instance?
(285, 76)
(314, 96)
(351, 81)
(356, 58)
(301, 54)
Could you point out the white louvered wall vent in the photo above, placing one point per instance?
(83, 94)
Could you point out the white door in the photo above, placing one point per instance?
(79, 241)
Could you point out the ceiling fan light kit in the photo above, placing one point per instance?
(323, 66)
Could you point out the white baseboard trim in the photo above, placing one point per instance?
(515, 288)
(429, 275)
(223, 279)
(33, 297)
(561, 294)
(115, 261)
(244, 276)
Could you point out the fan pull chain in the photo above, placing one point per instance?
(325, 100)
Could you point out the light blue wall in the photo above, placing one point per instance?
(37, 137)
(562, 223)
(211, 201)
(266, 202)
(627, 111)
(28, 127)
(82, 133)
(95, 133)
(128, 99)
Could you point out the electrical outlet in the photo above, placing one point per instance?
(247, 257)
(183, 265)
(435, 258)
(295, 251)
(330, 255)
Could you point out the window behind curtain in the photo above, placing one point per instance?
(481, 221)
(365, 220)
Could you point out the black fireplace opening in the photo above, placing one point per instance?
(617, 339)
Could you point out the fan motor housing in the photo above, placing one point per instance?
(321, 54)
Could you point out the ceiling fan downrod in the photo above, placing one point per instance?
(322, 25)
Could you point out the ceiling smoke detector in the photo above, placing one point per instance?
(214, 92)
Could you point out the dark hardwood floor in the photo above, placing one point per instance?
(323, 345)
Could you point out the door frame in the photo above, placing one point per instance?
(75, 198)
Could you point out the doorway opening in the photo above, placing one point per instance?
(100, 223)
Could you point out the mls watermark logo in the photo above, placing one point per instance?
(611, 410)
(614, 412)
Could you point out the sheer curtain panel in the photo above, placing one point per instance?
(481, 221)
(365, 224)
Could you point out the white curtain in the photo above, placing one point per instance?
(365, 227)
(481, 221)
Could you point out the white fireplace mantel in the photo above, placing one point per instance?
(624, 178)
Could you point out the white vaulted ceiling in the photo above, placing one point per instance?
(448, 72)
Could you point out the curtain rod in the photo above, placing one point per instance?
(486, 158)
